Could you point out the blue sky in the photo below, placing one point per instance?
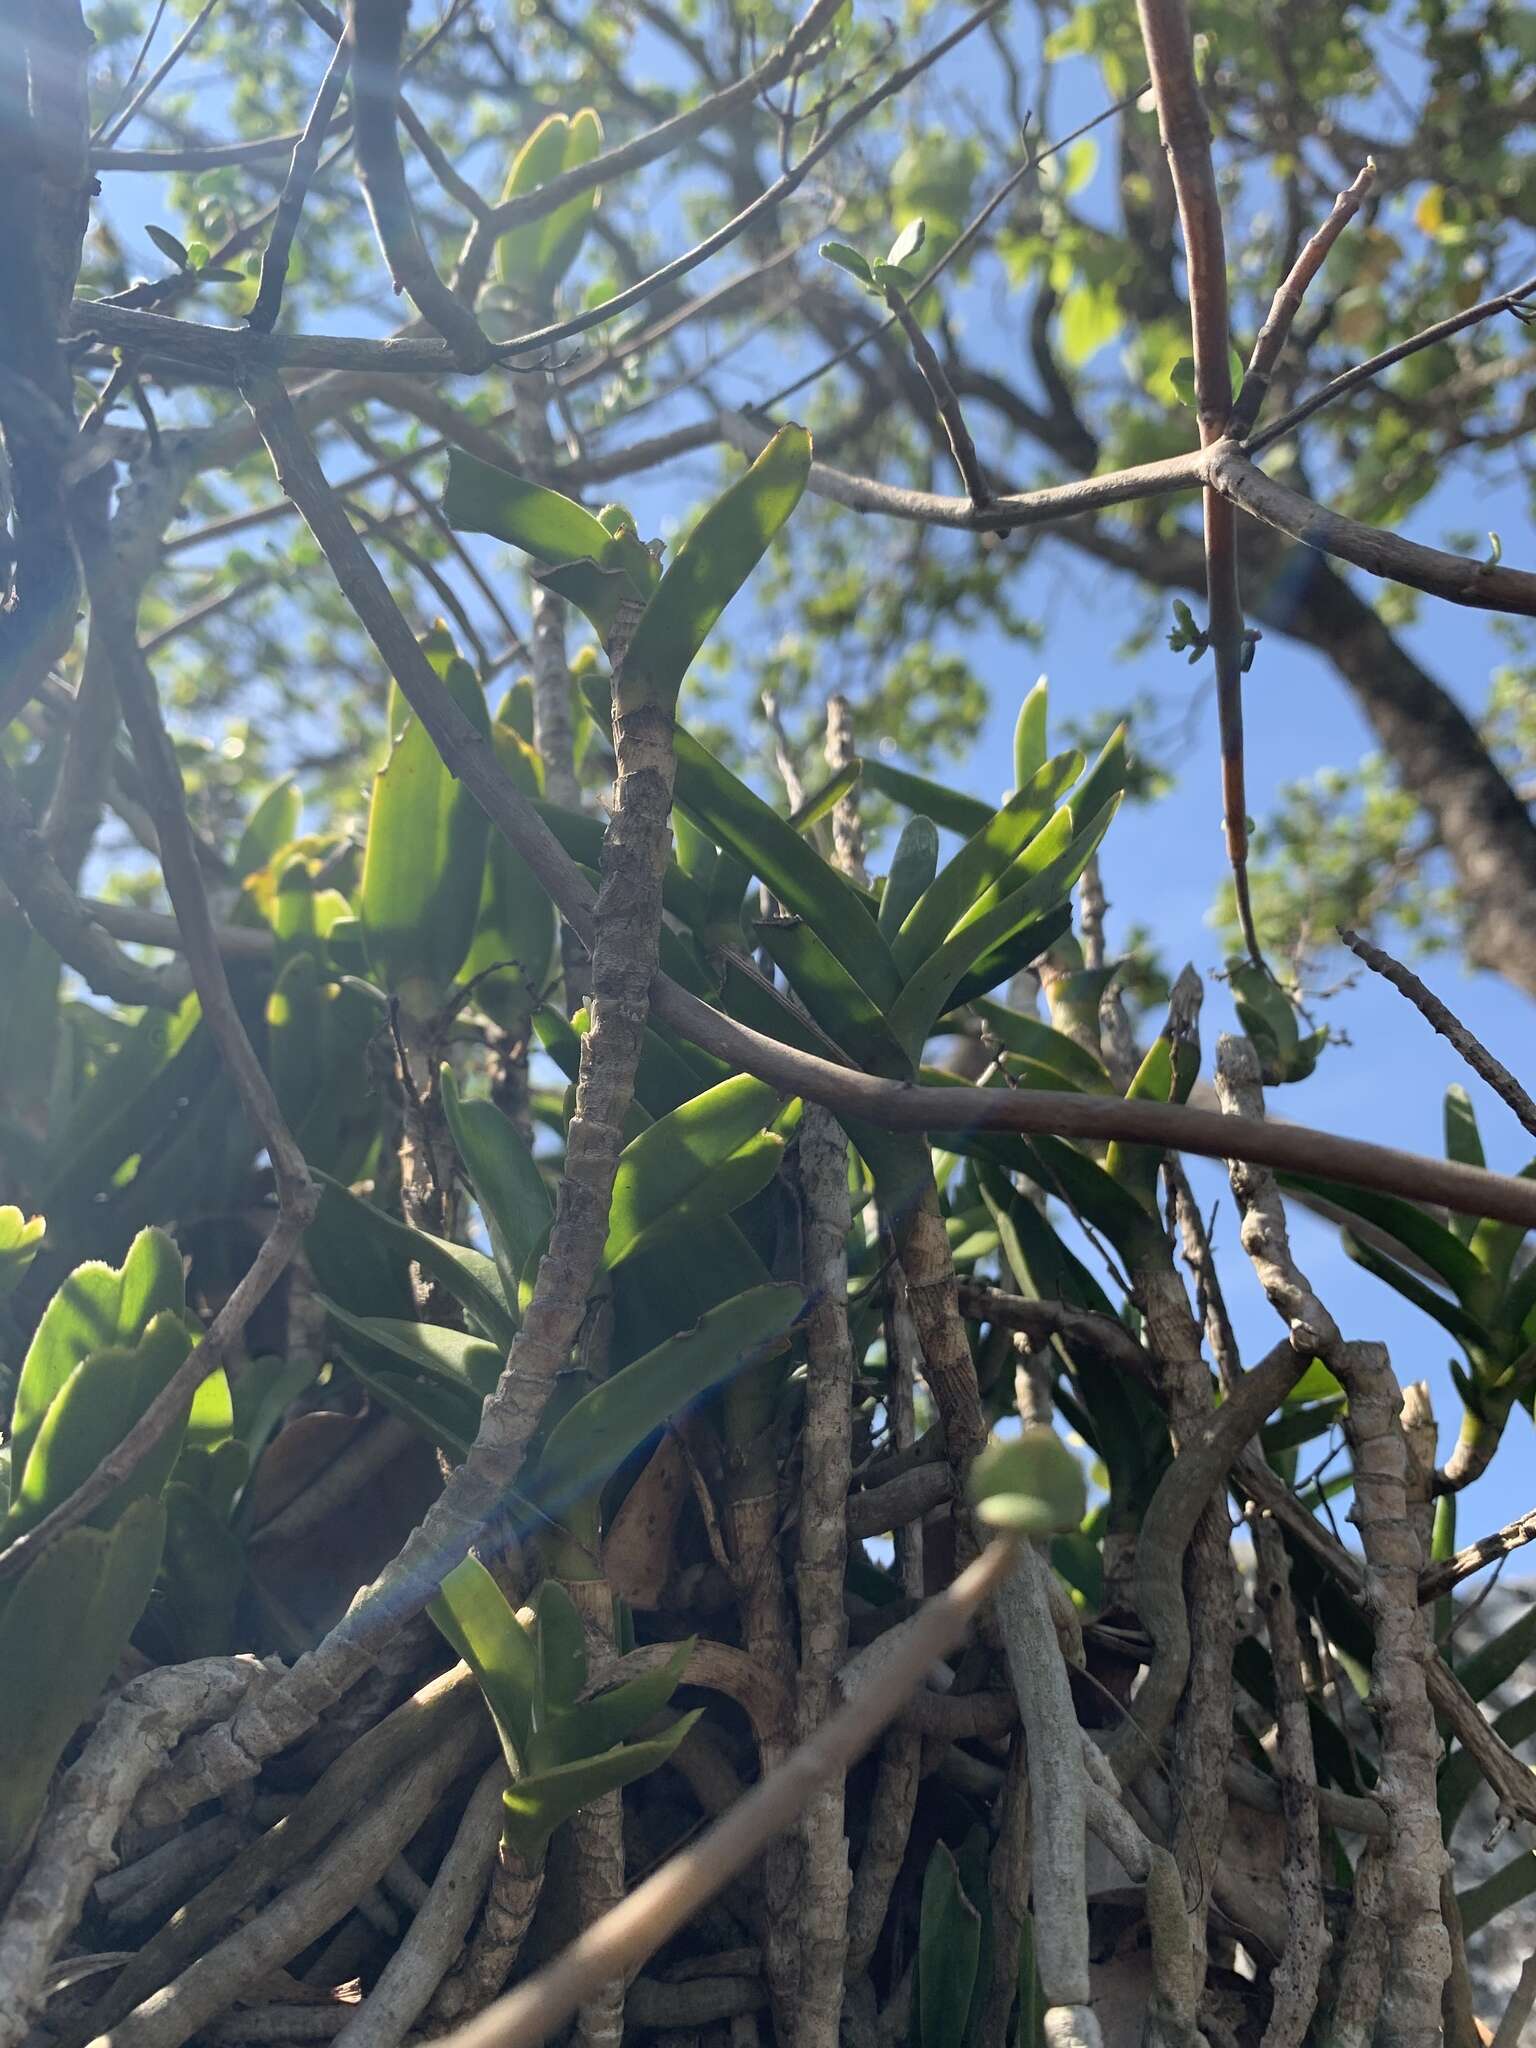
(1163, 864)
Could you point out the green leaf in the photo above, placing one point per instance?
(362, 1257)
(535, 1807)
(833, 997)
(594, 1438)
(913, 867)
(508, 1184)
(710, 567)
(552, 528)
(63, 1627)
(948, 1951)
(1029, 736)
(907, 243)
(202, 1574)
(446, 1415)
(97, 1306)
(475, 1615)
(1041, 879)
(848, 259)
(719, 1192)
(1030, 1483)
(1181, 381)
(264, 1390)
(593, 1726)
(948, 808)
(1448, 1314)
(168, 245)
(90, 1415)
(20, 1238)
(426, 848)
(1167, 1074)
(1418, 1233)
(795, 872)
(271, 826)
(831, 793)
(984, 859)
(667, 1162)
(451, 1355)
(560, 1669)
(532, 259)
(1029, 1039)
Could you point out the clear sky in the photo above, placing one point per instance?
(1163, 865)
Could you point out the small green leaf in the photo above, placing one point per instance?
(1181, 381)
(848, 259)
(271, 826)
(593, 1726)
(533, 258)
(476, 1617)
(890, 277)
(20, 1238)
(1029, 736)
(827, 798)
(1030, 1483)
(169, 245)
(907, 243)
(710, 567)
(595, 1436)
(560, 1640)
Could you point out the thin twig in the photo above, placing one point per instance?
(946, 404)
(161, 72)
(375, 31)
(1439, 1579)
(1372, 367)
(290, 207)
(1186, 134)
(1288, 299)
(1444, 1020)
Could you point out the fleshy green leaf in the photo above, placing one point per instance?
(1035, 885)
(476, 1617)
(949, 808)
(798, 876)
(20, 1238)
(907, 243)
(543, 523)
(508, 1185)
(710, 567)
(591, 1727)
(560, 1669)
(849, 259)
(983, 860)
(594, 1438)
(270, 827)
(831, 793)
(97, 1306)
(948, 1952)
(451, 1355)
(535, 1807)
(63, 1627)
(667, 1162)
(362, 1258)
(914, 864)
(1029, 736)
(426, 847)
(532, 259)
(1418, 1233)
